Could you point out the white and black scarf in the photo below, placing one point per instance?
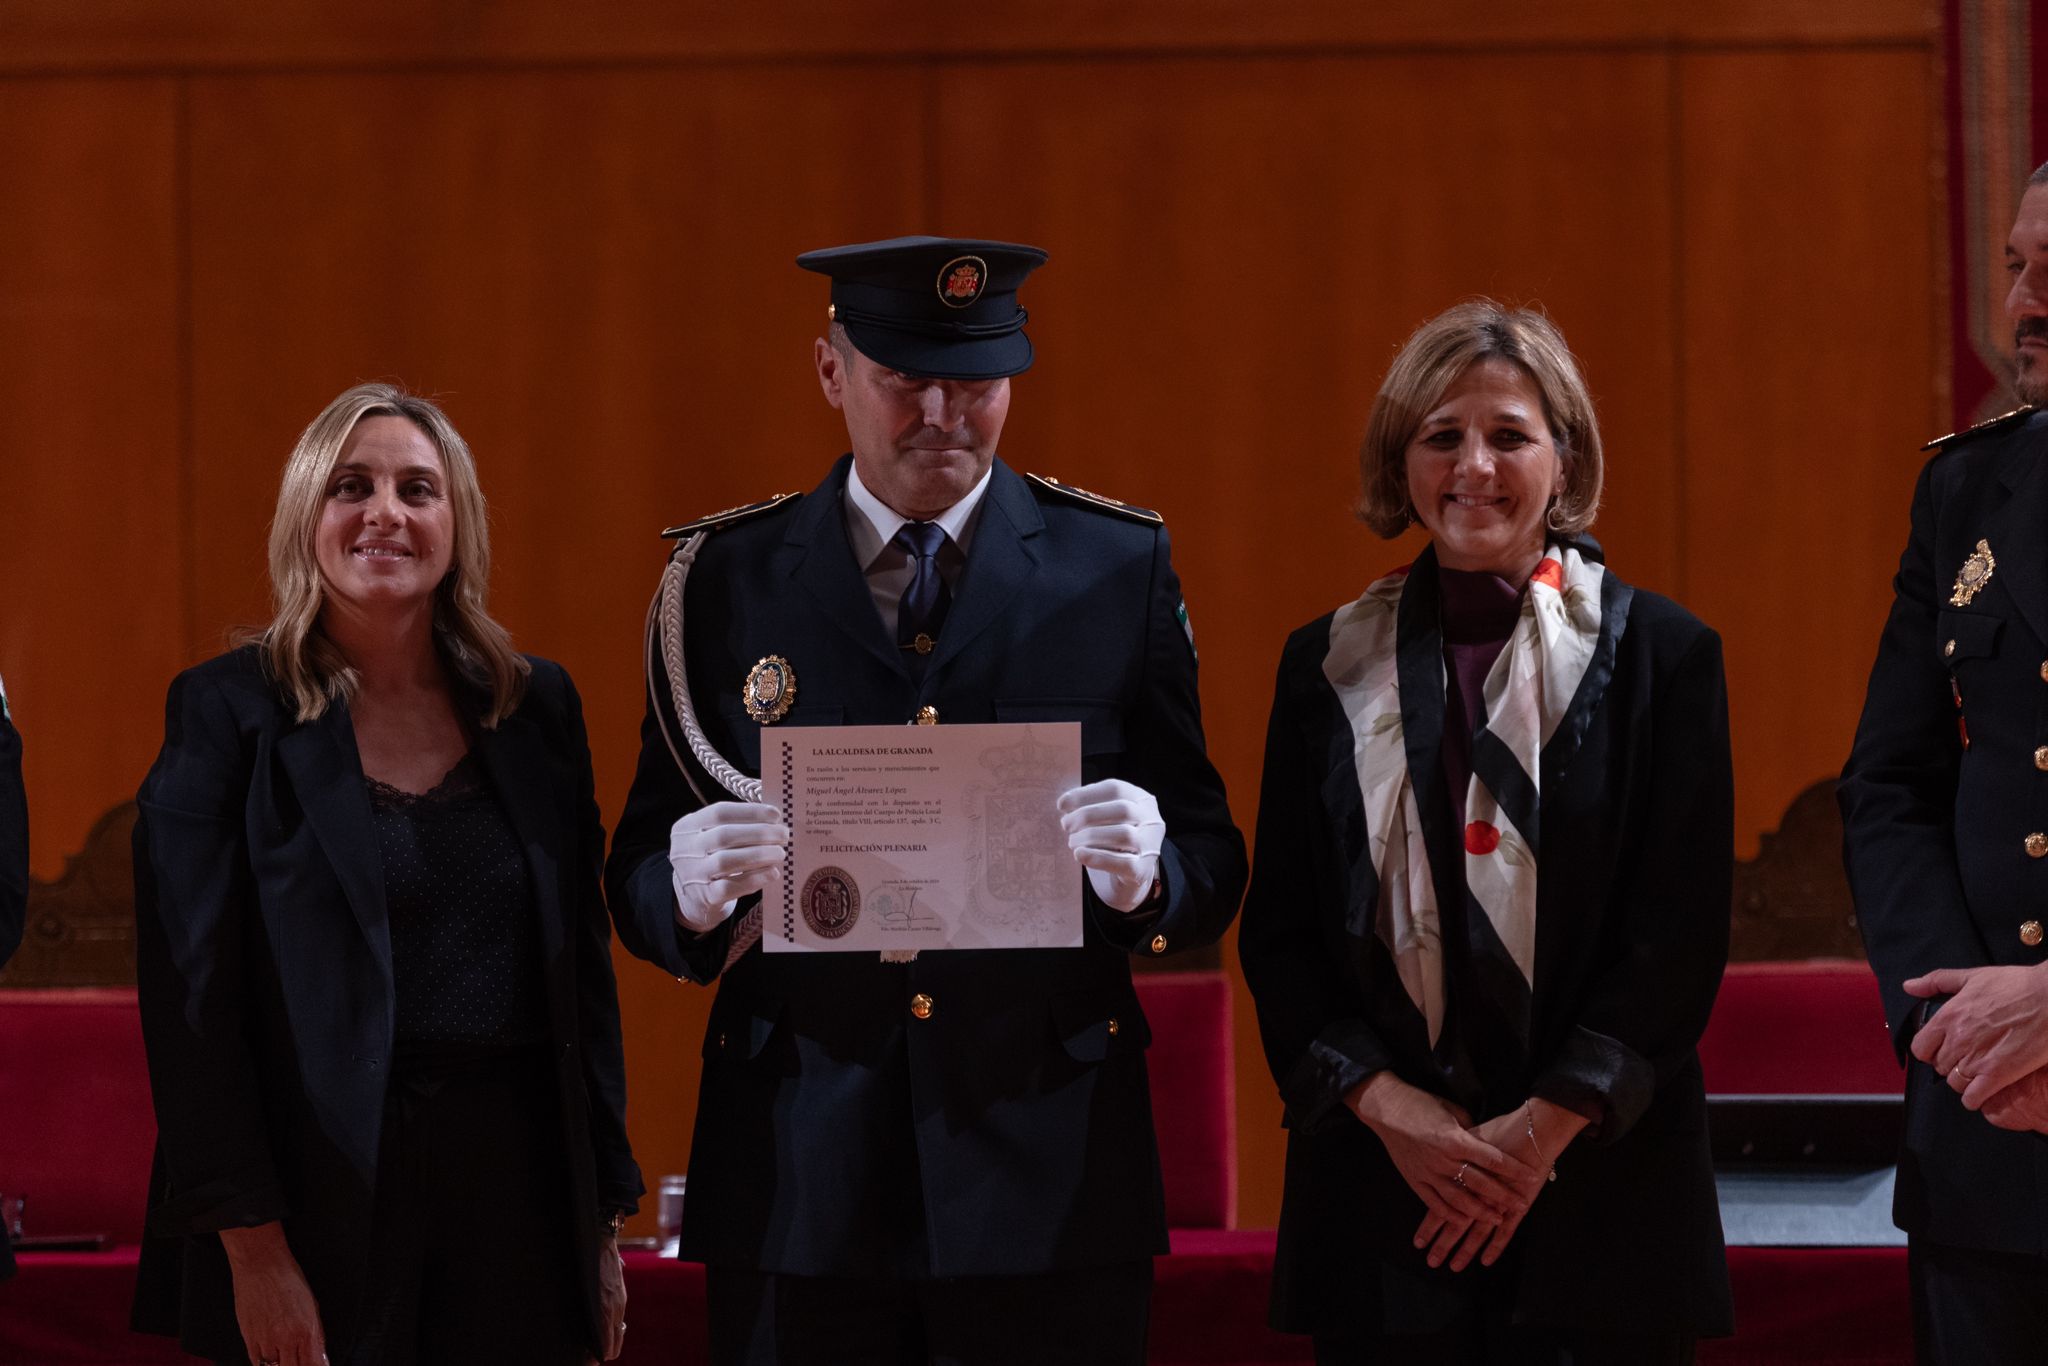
(1541, 688)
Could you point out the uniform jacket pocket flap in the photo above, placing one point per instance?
(746, 732)
(1089, 1027)
(820, 715)
(1967, 635)
(740, 1036)
(1102, 725)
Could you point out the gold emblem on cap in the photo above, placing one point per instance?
(1975, 573)
(961, 281)
(770, 690)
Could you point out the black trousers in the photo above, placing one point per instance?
(474, 1255)
(1467, 1319)
(1496, 1345)
(1974, 1308)
(1092, 1317)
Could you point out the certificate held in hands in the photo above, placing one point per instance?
(909, 838)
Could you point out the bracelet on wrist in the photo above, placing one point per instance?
(1529, 1122)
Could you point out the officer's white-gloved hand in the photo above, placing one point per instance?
(718, 854)
(1115, 831)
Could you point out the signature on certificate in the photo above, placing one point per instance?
(896, 907)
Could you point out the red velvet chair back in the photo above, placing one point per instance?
(1812, 1028)
(76, 1127)
(1194, 1094)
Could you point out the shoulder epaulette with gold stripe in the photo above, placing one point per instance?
(1097, 500)
(1994, 424)
(731, 515)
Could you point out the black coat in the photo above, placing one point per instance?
(1935, 833)
(1636, 834)
(1011, 1132)
(13, 875)
(13, 840)
(263, 963)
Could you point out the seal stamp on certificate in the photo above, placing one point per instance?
(830, 902)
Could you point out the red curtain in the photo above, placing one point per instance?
(1997, 116)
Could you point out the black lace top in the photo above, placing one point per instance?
(465, 949)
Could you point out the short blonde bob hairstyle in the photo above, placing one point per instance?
(309, 667)
(1431, 360)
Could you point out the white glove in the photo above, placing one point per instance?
(718, 854)
(1115, 831)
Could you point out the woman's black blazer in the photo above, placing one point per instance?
(1632, 934)
(263, 962)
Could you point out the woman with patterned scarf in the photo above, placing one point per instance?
(1489, 909)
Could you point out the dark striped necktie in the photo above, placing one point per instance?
(921, 611)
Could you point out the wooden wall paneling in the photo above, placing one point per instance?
(1806, 24)
(595, 272)
(1237, 249)
(92, 520)
(1810, 381)
(40, 35)
(590, 264)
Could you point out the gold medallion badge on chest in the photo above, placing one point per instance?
(770, 690)
(1975, 573)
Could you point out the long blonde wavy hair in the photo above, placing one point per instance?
(308, 665)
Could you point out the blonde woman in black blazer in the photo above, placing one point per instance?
(373, 957)
(1489, 907)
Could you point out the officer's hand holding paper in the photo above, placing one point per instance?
(1116, 833)
(916, 838)
(719, 853)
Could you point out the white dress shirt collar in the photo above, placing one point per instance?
(872, 524)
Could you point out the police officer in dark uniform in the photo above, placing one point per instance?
(1945, 804)
(947, 1159)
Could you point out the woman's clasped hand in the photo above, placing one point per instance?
(1477, 1181)
(1472, 1189)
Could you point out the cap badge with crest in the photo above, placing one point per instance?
(960, 281)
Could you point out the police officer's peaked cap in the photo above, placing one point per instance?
(941, 307)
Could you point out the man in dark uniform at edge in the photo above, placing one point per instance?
(949, 1159)
(13, 872)
(1947, 848)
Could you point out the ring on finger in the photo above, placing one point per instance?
(1458, 1178)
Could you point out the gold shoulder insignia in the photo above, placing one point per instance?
(1097, 500)
(731, 515)
(1994, 424)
